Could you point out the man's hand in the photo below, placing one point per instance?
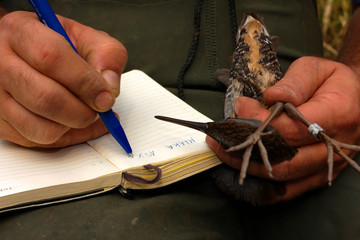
(49, 94)
(325, 92)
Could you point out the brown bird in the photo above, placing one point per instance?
(254, 68)
(234, 131)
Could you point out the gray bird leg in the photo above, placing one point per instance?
(331, 144)
(255, 138)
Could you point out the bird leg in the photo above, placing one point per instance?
(255, 138)
(331, 144)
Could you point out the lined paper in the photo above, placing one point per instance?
(23, 169)
(152, 140)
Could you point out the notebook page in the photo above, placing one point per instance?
(152, 140)
(23, 169)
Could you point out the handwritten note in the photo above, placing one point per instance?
(100, 161)
(152, 140)
(180, 144)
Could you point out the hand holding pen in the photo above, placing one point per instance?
(48, 93)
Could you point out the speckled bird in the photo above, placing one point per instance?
(255, 66)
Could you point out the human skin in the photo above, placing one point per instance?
(325, 92)
(49, 94)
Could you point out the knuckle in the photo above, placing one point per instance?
(49, 58)
(113, 45)
(14, 80)
(308, 61)
(310, 66)
(85, 119)
(11, 21)
(122, 51)
(7, 68)
(49, 135)
(46, 102)
(50, 103)
(89, 85)
(115, 49)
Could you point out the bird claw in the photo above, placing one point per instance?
(332, 145)
(254, 138)
(248, 144)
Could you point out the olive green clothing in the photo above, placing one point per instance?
(192, 210)
(158, 35)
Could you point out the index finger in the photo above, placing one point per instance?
(49, 53)
(300, 82)
(100, 50)
(325, 92)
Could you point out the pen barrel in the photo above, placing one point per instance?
(48, 17)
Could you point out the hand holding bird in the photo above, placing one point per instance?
(255, 69)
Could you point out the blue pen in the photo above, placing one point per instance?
(48, 17)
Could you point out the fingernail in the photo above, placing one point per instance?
(113, 79)
(104, 101)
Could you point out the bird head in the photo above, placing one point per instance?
(252, 26)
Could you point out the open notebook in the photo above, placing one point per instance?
(29, 177)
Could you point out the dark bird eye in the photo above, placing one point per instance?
(243, 31)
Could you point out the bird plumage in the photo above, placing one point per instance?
(254, 63)
(255, 68)
(234, 131)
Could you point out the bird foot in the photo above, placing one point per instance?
(249, 143)
(332, 145)
(255, 138)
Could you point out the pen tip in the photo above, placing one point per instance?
(131, 155)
